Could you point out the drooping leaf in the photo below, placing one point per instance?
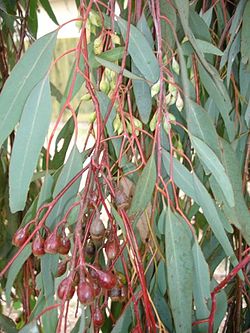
(143, 97)
(47, 7)
(201, 287)
(168, 11)
(245, 40)
(26, 74)
(192, 186)
(104, 105)
(200, 125)
(28, 142)
(179, 272)
(30, 328)
(213, 218)
(141, 52)
(112, 55)
(240, 212)
(125, 320)
(69, 170)
(142, 89)
(144, 188)
(65, 135)
(116, 68)
(7, 325)
(182, 7)
(213, 164)
(220, 97)
(49, 263)
(46, 190)
(207, 47)
(14, 270)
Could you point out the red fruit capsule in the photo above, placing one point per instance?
(85, 292)
(20, 237)
(98, 317)
(106, 280)
(38, 245)
(63, 288)
(61, 269)
(111, 249)
(52, 243)
(64, 245)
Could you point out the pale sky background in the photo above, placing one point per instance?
(64, 10)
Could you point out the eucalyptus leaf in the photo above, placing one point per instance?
(14, 270)
(28, 142)
(179, 272)
(213, 164)
(26, 74)
(140, 51)
(144, 188)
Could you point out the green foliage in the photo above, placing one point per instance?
(151, 192)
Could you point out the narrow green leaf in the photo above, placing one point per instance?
(28, 142)
(143, 97)
(220, 97)
(104, 105)
(142, 89)
(207, 47)
(14, 270)
(200, 125)
(30, 328)
(213, 218)
(47, 7)
(69, 170)
(112, 55)
(213, 164)
(7, 324)
(117, 68)
(192, 186)
(168, 11)
(183, 11)
(125, 320)
(26, 74)
(201, 286)
(144, 188)
(141, 52)
(46, 190)
(239, 215)
(245, 40)
(179, 272)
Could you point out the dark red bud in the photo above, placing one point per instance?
(38, 245)
(61, 269)
(106, 280)
(63, 288)
(85, 292)
(98, 317)
(20, 237)
(111, 249)
(52, 243)
(64, 245)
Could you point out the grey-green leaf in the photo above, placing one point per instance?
(141, 52)
(201, 282)
(240, 212)
(69, 170)
(26, 74)
(213, 164)
(209, 48)
(245, 37)
(28, 142)
(7, 325)
(179, 272)
(116, 68)
(142, 96)
(144, 188)
(14, 270)
(192, 186)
